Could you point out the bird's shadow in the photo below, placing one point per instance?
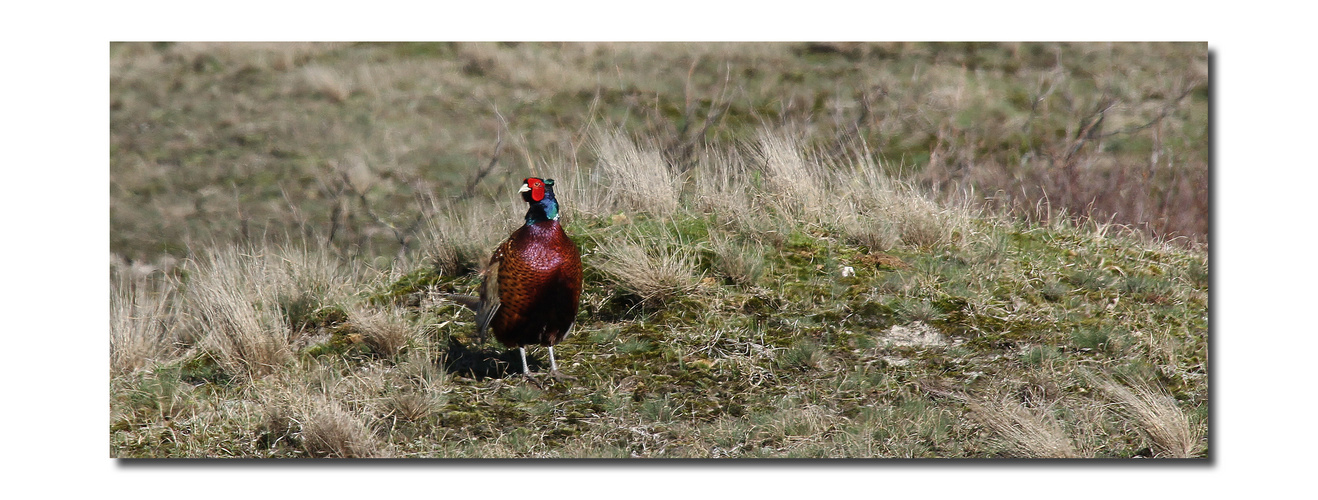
(484, 361)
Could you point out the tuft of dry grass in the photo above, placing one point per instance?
(851, 192)
(795, 186)
(413, 406)
(231, 302)
(725, 187)
(385, 330)
(1031, 432)
(656, 272)
(1158, 416)
(636, 178)
(246, 305)
(314, 410)
(580, 193)
(875, 233)
(923, 223)
(142, 321)
(879, 209)
(332, 432)
(741, 263)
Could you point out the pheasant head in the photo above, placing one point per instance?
(539, 193)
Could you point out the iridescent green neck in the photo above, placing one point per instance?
(543, 210)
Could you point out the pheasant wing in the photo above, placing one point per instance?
(489, 293)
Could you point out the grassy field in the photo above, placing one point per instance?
(791, 250)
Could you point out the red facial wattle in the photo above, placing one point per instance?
(537, 189)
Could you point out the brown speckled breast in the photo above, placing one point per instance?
(539, 286)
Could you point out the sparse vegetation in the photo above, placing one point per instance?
(802, 275)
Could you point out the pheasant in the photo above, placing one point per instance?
(532, 286)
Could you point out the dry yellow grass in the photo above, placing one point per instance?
(795, 186)
(332, 432)
(315, 410)
(227, 316)
(242, 300)
(385, 330)
(457, 238)
(1158, 416)
(143, 322)
(1029, 432)
(655, 270)
(636, 178)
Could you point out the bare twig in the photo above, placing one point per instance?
(686, 137)
(716, 115)
(689, 104)
(494, 160)
(530, 163)
(1093, 124)
(335, 194)
(401, 234)
(1166, 110)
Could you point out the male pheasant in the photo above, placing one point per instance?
(532, 286)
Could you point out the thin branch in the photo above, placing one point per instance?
(1166, 110)
(335, 194)
(494, 160)
(1090, 130)
(716, 115)
(400, 234)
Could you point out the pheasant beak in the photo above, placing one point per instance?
(524, 189)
